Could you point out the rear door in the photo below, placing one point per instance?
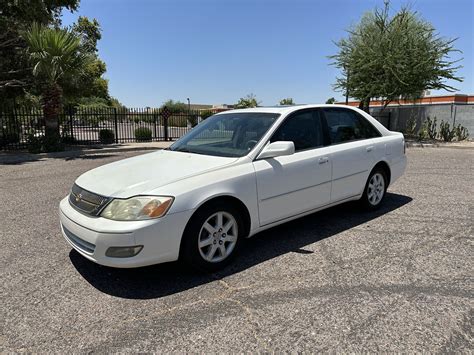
(354, 148)
(293, 184)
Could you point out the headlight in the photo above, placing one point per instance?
(137, 208)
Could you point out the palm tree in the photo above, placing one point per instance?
(55, 55)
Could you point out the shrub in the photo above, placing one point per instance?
(206, 114)
(428, 129)
(106, 136)
(193, 119)
(66, 136)
(9, 130)
(35, 142)
(410, 129)
(445, 132)
(423, 131)
(52, 143)
(177, 121)
(461, 133)
(431, 128)
(142, 134)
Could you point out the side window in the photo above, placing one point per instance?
(347, 125)
(304, 129)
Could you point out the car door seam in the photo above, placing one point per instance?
(346, 176)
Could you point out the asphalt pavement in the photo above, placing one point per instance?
(400, 279)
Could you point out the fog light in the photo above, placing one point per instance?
(123, 252)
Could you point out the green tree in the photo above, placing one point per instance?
(175, 106)
(247, 101)
(90, 83)
(392, 56)
(331, 100)
(54, 55)
(287, 101)
(16, 77)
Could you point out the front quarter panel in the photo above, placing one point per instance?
(237, 181)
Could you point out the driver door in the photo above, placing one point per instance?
(297, 183)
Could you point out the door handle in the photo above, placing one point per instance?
(323, 160)
(369, 149)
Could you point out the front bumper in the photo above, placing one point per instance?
(92, 236)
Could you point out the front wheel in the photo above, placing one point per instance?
(212, 237)
(375, 189)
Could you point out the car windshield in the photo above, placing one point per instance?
(226, 135)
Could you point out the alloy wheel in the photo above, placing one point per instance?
(376, 189)
(217, 237)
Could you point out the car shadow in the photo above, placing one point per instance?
(166, 279)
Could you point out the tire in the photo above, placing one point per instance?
(375, 189)
(209, 244)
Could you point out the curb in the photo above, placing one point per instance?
(437, 145)
(23, 157)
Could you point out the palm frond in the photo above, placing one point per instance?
(54, 53)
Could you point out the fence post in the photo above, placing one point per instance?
(165, 122)
(116, 125)
(389, 119)
(154, 125)
(71, 122)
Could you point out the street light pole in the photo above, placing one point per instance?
(189, 105)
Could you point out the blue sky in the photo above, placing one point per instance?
(216, 51)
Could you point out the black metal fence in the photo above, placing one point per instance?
(97, 125)
(19, 126)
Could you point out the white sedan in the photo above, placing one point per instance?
(235, 174)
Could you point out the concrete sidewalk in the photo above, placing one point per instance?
(15, 157)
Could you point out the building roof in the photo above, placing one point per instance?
(427, 100)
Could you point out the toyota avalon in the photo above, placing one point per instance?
(235, 174)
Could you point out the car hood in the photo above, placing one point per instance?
(144, 173)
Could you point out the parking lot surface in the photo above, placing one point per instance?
(398, 279)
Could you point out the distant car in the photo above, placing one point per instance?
(235, 174)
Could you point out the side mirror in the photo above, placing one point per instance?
(277, 149)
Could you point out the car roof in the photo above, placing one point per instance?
(283, 109)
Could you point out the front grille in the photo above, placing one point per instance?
(78, 242)
(87, 202)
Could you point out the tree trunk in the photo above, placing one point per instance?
(365, 104)
(51, 110)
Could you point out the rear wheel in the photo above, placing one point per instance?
(375, 189)
(212, 237)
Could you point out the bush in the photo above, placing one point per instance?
(431, 127)
(410, 129)
(206, 114)
(177, 121)
(66, 135)
(445, 132)
(9, 130)
(35, 142)
(428, 129)
(52, 143)
(461, 133)
(142, 134)
(193, 119)
(106, 136)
